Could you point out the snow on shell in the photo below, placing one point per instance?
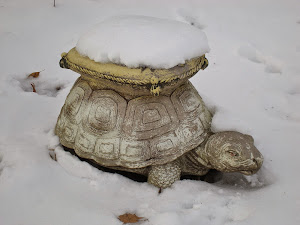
(143, 41)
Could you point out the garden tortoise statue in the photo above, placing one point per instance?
(147, 121)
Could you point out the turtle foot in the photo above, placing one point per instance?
(163, 176)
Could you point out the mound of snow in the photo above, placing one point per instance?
(143, 41)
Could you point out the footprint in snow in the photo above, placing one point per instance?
(41, 86)
(249, 52)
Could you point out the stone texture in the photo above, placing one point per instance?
(151, 122)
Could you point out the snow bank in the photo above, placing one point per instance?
(143, 41)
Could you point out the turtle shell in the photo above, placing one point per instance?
(102, 125)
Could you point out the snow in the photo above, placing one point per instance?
(252, 85)
(143, 41)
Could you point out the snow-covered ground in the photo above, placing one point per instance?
(252, 85)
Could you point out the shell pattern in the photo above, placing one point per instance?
(148, 130)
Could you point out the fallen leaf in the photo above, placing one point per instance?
(33, 87)
(52, 154)
(34, 74)
(129, 218)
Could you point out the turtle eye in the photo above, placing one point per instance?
(233, 153)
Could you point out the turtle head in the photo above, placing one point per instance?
(232, 151)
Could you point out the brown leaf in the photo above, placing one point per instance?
(52, 154)
(33, 87)
(129, 218)
(34, 75)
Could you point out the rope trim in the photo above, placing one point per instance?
(201, 63)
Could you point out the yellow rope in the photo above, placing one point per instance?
(200, 63)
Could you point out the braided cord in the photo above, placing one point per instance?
(201, 63)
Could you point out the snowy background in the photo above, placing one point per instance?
(252, 85)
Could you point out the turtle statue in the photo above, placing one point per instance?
(147, 121)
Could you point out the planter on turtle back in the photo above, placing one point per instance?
(147, 121)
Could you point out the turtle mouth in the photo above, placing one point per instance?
(248, 172)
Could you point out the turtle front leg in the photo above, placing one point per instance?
(163, 176)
